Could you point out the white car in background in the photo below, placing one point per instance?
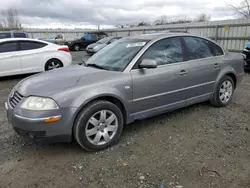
(23, 55)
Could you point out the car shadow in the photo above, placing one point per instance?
(15, 77)
(130, 130)
(138, 125)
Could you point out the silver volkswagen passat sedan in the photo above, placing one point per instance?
(131, 79)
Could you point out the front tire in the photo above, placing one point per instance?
(98, 126)
(77, 47)
(223, 92)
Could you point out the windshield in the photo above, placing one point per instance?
(117, 55)
(104, 40)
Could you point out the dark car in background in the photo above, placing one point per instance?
(246, 55)
(13, 34)
(95, 47)
(85, 40)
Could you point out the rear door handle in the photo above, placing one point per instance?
(216, 65)
(183, 72)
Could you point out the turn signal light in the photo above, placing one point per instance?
(52, 119)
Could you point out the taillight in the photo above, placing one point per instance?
(64, 49)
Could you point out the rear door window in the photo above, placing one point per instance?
(5, 35)
(197, 48)
(31, 45)
(8, 47)
(19, 35)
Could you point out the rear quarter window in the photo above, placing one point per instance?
(31, 45)
(216, 50)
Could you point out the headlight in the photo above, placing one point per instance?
(39, 103)
(96, 48)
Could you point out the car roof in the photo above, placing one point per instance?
(13, 32)
(155, 36)
(18, 39)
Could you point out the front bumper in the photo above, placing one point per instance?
(31, 124)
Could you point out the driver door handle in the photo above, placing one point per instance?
(183, 72)
(216, 65)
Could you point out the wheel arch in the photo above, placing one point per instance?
(233, 76)
(227, 71)
(111, 98)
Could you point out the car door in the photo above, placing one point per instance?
(203, 68)
(9, 62)
(159, 89)
(32, 56)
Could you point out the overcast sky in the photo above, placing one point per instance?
(107, 13)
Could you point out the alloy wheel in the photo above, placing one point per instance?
(226, 91)
(53, 65)
(101, 127)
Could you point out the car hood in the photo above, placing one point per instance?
(98, 45)
(101, 45)
(92, 45)
(51, 82)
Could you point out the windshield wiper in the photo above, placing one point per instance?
(83, 63)
(96, 66)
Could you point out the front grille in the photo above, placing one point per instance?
(14, 99)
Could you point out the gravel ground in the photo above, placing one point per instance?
(196, 147)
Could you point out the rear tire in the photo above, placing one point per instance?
(53, 64)
(224, 92)
(95, 130)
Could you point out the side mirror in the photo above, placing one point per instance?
(108, 42)
(148, 64)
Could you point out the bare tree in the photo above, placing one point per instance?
(162, 20)
(203, 18)
(119, 26)
(10, 19)
(143, 24)
(243, 10)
